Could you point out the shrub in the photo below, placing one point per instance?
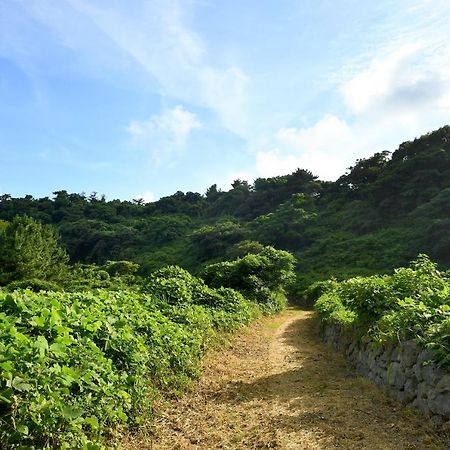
(317, 289)
(261, 277)
(368, 297)
(34, 285)
(75, 366)
(413, 303)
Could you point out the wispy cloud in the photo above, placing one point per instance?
(157, 37)
(165, 133)
(274, 95)
(153, 36)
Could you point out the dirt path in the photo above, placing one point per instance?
(277, 387)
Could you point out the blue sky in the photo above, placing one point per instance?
(147, 97)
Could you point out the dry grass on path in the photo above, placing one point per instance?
(277, 387)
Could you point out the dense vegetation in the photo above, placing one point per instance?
(80, 364)
(99, 314)
(412, 303)
(379, 215)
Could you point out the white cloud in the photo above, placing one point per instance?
(275, 162)
(330, 129)
(374, 84)
(174, 124)
(323, 148)
(397, 87)
(398, 92)
(411, 77)
(165, 133)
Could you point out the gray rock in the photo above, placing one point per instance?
(386, 355)
(437, 421)
(417, 371)
(395, 355)
(443, 385)
(422, 405)
(431, 393)
(441, 405)
(409, 351)
(376, 349)
(432, 374)
(406, 371)
(422, 391)
(396, 375)
(379, 381)
(350, 349)
(410, 392)
(425, 356)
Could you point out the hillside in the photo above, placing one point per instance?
(380, 214)
(90, 351)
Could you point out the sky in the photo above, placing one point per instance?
(143, 98)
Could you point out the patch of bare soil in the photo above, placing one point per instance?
(278, 387)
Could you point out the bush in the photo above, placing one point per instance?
(262, 277)
(317, 289)
(368, 297)
(413, 303)
(34, 285)
(75, 366)
(171, 284)
(330, 309)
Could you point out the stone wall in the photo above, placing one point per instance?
(406, 371)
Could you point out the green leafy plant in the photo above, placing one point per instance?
(76, 366)
(412, 303)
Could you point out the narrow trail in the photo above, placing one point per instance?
(276, 386)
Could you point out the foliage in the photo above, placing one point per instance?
(123, 327)
(75, 366)
(114, 275)
(115, 268)
(262, 277)
(212, 241)
(34, 285)
(331, 309)
(244, 248)
(412, 303)
(385, 210)
(30, 250)
(317, 289)
(285, 227)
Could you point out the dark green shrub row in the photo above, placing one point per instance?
(413, 303)
(75, 366)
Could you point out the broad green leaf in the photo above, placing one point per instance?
(71, 412)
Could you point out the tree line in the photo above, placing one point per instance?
(380, 214)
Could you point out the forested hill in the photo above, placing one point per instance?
(383, 212)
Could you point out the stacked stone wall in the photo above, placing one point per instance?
(405, 370)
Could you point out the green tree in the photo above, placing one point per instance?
(285, 227)
(30, 250)
(211, 241)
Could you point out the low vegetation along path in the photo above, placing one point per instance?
(276, 386)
